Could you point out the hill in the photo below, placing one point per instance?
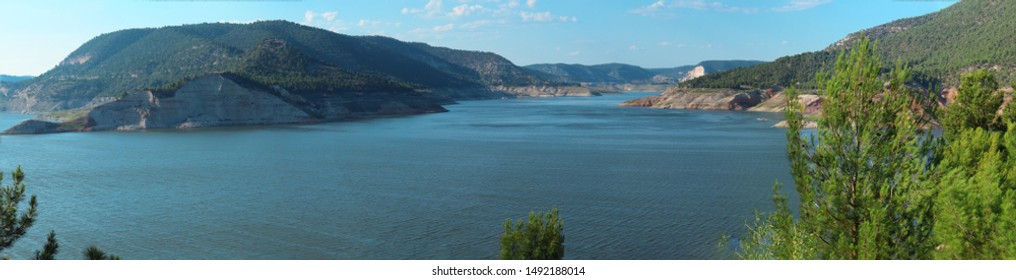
(13, 79)
(270, 72)
(617, 73)
(296, 57)
(939, 47)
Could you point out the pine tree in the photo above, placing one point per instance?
(95, 254)
(50, 249)
(12, 224)
(539, 238)
(976, 104)
(859, 176)
(975, 204)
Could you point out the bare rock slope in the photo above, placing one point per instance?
(222, 100)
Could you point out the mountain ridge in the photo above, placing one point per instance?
(620, 73)
(181, 76)
(939, 47)
(117, 63)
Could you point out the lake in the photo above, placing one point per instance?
(631, 183)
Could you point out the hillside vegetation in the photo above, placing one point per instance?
(619, 73)
(940, 46)
(279, 53)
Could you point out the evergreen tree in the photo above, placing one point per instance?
(859, 176)
(50, 249)
(95, 254)
(976, 104)
(12, 224)
(539, 238)
(975, 204)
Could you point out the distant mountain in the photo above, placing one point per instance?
(938, 47)
(9, 84)
(273, 53)
(269, 72)
(603, 73)
(14, 79)
(617, 73)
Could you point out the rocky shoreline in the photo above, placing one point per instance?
(758, 100)
(217, 100)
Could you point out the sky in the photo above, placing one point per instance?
(35, 35)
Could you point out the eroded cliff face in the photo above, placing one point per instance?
(702, 99)
(208, 101)
(218, 100)
(545, 91)
(696, 72)
(778, 103)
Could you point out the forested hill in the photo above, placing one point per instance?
(13, 79)
(625, 73)
(967, 35)
(278, 52)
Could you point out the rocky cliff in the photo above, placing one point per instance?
(545, 91)
(703, 99)
(696, 72)
(225, 100)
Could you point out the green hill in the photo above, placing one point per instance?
(602, 73)
(625, 73)
(281, 53)
(968, 35)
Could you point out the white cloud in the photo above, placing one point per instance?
(653, 9)
(475, 24)
(662, 8)
(308, 16)
(712, 6)
(433, 5)
(465, 9)
(432, 8)
(368, 23)
(664, 44)
(544, 16)
(442, 28)
(800, 5)
(575, 53)
(327, 20)
(531, 3)
(634, 48)
(329, 16)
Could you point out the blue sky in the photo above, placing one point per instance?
(38, 34)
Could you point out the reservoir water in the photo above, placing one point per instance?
(631, 183)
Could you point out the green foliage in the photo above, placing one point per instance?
(275, 62)
(602, 73)
(313, 59)
(976, 104)
(975, 203)
(12, 224)
(798, 71)
(942, 45)
(50, 249)
(858, 176)
(93, 253)
(538, 238)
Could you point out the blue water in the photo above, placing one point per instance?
(631, 183)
